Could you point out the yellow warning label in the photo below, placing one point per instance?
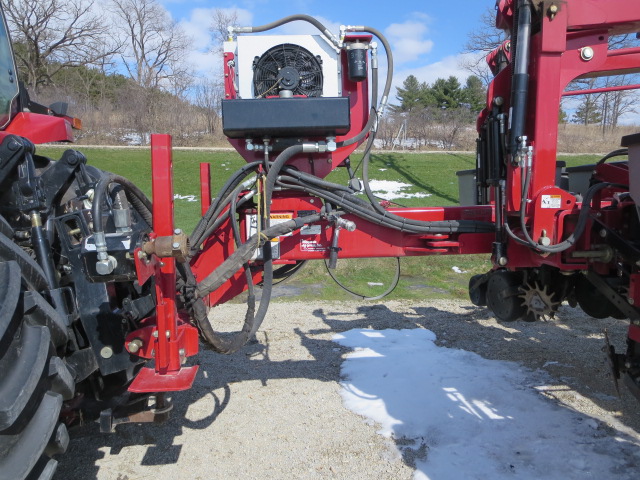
(281, 216)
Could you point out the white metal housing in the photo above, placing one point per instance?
(247, 47)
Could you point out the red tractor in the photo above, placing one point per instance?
(95, 282)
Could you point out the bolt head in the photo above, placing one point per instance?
(177, 231)
(106, 352)
(586, 53)
(502, 261)
(106, 266)
(544, 241)
(134, 345)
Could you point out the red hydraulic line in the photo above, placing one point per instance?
(600, 90)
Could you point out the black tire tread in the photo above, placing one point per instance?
(10, 286)
(34, 381)
(25, 448)
(23, 365)
(31, 271)
(5, 228)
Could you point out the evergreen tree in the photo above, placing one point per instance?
(475, 94)
(588, 112)
(412, 95)
(447, 93)
(562, 116)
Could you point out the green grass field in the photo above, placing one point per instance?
(431, 173)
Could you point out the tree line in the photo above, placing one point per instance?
(605, 109)
(120, 64)
(433, 115)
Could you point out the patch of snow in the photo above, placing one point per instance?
(463, 416)
(458, 270)
(391, 190)
(382, 169)
(375, 284)
(188, 198)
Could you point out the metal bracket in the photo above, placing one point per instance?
(136, 412)
(614, 297)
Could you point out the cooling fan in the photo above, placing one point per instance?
(287, 67)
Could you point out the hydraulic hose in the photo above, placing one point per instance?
(354, 205)
(616, 153)
(138, 200)
(389, 54)
(274, 171)
(243, 254)
(581, 223)
(373, 116)
(292, 18)
(215, 209)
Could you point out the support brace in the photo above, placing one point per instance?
(172, 340)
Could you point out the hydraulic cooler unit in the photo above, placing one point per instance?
(285, 86)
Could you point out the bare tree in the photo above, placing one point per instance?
(208, 95)
(221, 20)
(615, 104)
(480, 43)
(51, 35)
(155, 45)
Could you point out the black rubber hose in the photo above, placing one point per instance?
(242, 255)
(355, 206)
(235, 228)
(305, 177)
(373, 116)
(581, 223)
(274, 171)
(616, 153)
(292, 18)
(389, 53)
(138, 200)
(221, 343)
(218, 221)
(197, 236)
(231, 343)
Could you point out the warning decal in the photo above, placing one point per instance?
(551, 201)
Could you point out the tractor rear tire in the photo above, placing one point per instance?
(34, 380)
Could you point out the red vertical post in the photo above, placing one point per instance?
(167, 356)
(205, 187)
(170, 339)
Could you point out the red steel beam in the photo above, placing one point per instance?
(169, 338)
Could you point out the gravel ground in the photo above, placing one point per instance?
(273, 410)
